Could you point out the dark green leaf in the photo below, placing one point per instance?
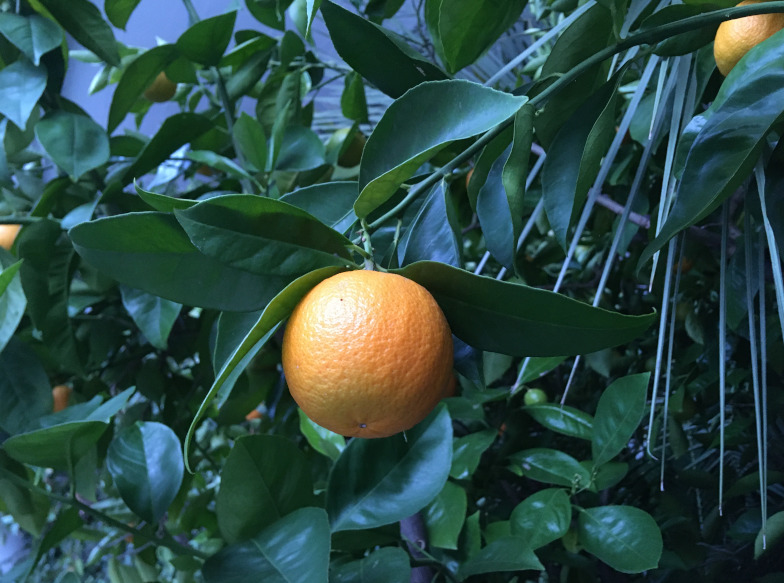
(618, 415)
(468, 450)
(538, 367)
(409, 134)
(295, 548)
(206, 41)
(515, 319)
(12, 298)
(771, 537)
(24, 388)
(552, 467)
(21, 85)
(220, 163)
(57, 447)
(150, 251)
(386, 565)
(28, 508)
(264, 478)
(145, 461)
(430, 235)
(251, 141)
(607, 475)
(563, 419)
(380, 481)
(161, 202)
(542, 517)
(269, 12)
(83, 21)
(510, 553)
(377, 54)
(495, 215)
(332, 203)
(153, 315)
(684, 43)
(119, 11)
(445, 516)
(300, 149)
(624, 537)
(75, 142)
(323, 440)
(353, 103)
(34, 35)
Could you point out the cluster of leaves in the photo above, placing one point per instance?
(153, 274)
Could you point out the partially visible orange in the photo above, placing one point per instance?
(161, 89)
(60, 395)
(368, 354)
(735, 38)
(8, 234)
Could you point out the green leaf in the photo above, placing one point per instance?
(380, 56)
(468, 450)
(323, 440)
(24, 388)
(220, 163)
(269, 12)
(83, 21)
(445, 515)
(275, 311)
(563, 419)
(34, 35)
(542, 517)
(626, 538)
(467, 28)
(538, 367)
(263, 236)
(75, 142)
(430, 235)
(251, 140)
(353, 102)
(331, 203)
(380, 481)
(746, 109)
(145, 462)
(295, 548)
(119, 11)
(772, 536)
(137, 77)
(510, 553)
(207, 40)
(28, 508)
(516, 319)
(574, 158)
(300, 149)
(551, 467)
(150, 251)
(618, 415)
(21, 85)
(162, 202)
(500, 223)
(607, 475)
(385, 565)
(264, 478)
(684, 43)
(409, 134)
(12, 299)
(57, 447)
(153, 315)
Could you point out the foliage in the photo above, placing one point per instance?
(636, 278)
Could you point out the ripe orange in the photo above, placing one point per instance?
(368, 354)
(161, 89)
(8, 234)
(60, 395)
(735, 38)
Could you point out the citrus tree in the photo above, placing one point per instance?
(528, 254)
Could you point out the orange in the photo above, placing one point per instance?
(368, 354)
(60, 396)
(735, 38)
(8, 234)
(161, 89)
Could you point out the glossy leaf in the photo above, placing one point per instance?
(275, 311)
(551, 467)
(380, 481)
(251, 140)
(295, 548)
(220, 163)
(626, 538)
(563, 419)
(29, 509)
(538, 367)
(145, 461)
(607, 475)
(495, 215)
(34, 35)
(515, 319)
(206, 41)
(264, 478)
(430, 235)
(468, 450)
(119, 11)
(24, 388)
(137, 77)
(269, 12)
(542, 517)
(150, 251)
(385, 565)
(445, 515)
(83, 21)
(375, 53)
(408, 134)
(162, 202)
(618, 415)
(323, 440)
(300, 149)
(728, 144)
(75, 142)
(686, 42)
(21, 85)
(12, 299)
(773, 535)
(509, 553)
(330, 202)
(263, 236)
(153, 315)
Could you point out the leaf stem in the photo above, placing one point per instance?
(368, 255)
(193, 16)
